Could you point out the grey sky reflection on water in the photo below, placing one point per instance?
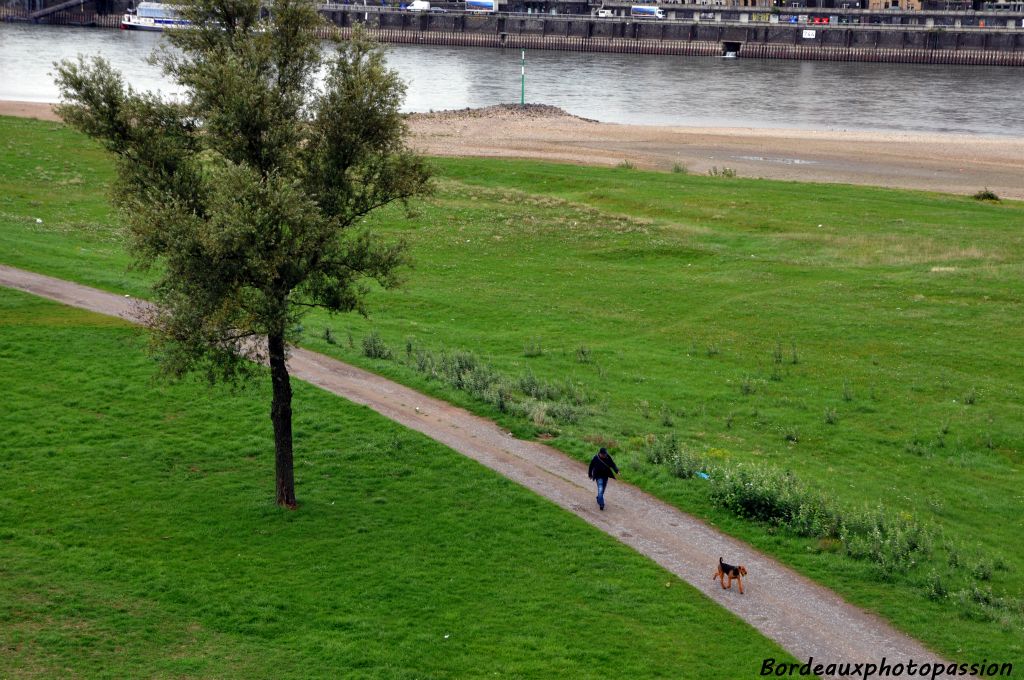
(619, 88)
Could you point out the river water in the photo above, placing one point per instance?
(643, 89)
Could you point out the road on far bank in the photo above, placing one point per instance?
(805, 618)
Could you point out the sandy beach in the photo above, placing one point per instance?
(959, 164)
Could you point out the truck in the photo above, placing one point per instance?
(481, 5)
(604, 13)
(646, 12)
(418, 6)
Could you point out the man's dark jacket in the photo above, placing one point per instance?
(602, 469)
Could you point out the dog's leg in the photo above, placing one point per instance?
(740, 580)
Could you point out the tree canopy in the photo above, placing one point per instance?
(248, 192)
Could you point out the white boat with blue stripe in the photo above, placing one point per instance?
(153, 16)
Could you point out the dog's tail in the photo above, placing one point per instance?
(720, 561)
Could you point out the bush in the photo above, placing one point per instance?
(666, 415)
(777, 498)
(500, 394)
(686, 465)
(661, 449)
(465, 371)
(668, 451)
(424, 362)
(986, 195)
(532, 386)
(374, 347)
(539, 401)
(936, 589)
(892, 541)
(565, 412)
(747, 386)
(982, 570)
(533, 348)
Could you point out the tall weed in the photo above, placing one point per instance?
(527, 396)
(891, 540)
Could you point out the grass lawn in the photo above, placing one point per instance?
(140, 538)
(868, 341)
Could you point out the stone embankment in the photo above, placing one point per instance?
(741, 34)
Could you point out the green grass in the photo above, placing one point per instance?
(55, 207)
(140, 539)
(692, 295)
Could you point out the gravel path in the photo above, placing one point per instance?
(805, 618)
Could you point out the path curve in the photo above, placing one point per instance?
(802, 616)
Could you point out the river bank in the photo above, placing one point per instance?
(959, 164)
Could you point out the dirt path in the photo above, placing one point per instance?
(803, 617)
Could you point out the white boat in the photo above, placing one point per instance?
(153, 16)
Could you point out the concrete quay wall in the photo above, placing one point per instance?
(988, 46)
(841, 42)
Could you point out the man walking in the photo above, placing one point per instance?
(601, 468)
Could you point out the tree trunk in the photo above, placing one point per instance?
(281, 416)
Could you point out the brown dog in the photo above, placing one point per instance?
(728, 570)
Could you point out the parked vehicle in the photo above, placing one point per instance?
(481, 5)
(605, 13)
(646, 12)
(418, 6)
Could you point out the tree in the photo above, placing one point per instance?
(249, 192)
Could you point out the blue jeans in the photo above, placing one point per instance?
(602, 482)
